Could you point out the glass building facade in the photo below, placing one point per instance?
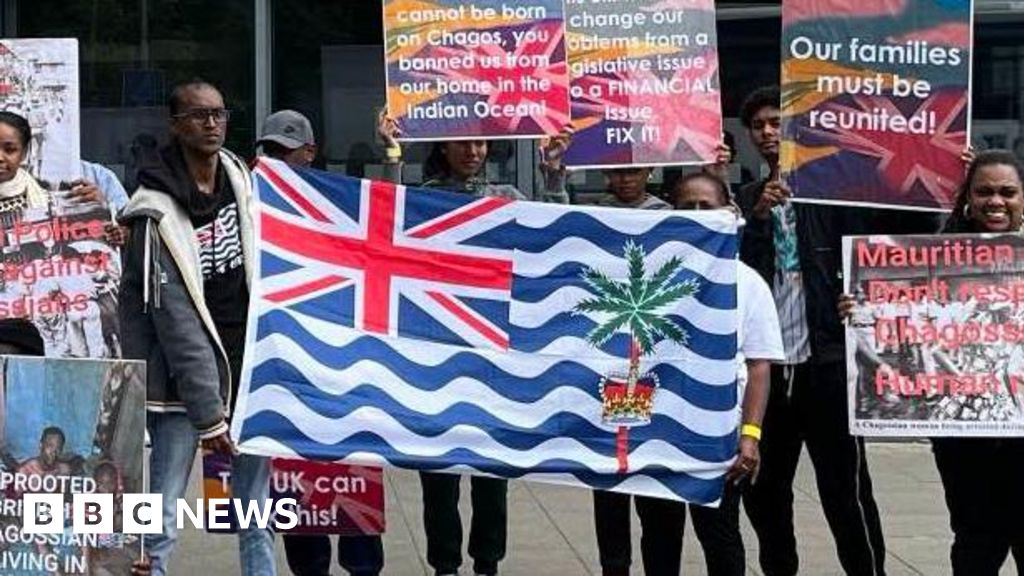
(325, 59)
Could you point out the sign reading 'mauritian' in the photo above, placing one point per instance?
(934, 344)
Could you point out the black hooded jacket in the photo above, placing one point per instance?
(165, 169)
(165, 316)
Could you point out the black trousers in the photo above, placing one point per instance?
(311, 555)
(443, 525)
(808, 405)
(662, 523)
(981, 478)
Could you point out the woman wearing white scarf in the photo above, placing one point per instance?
(22, 191)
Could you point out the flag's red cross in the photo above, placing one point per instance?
(382, 260)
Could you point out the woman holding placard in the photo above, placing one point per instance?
(980, 476)
(33, 215)
(18, 188)
(461, 165)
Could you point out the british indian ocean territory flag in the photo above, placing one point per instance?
(438, 331)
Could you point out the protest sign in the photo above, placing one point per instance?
(39, 80)
(934, 344)
(70, 427)
(332, 498)
(489, 68)
(644, 82)
(58, 270)
(56, 267)
(875, 100)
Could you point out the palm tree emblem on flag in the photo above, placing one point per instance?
(634, 305)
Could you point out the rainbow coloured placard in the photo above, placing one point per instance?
(482, 69)
(644, 86)
(875, 100)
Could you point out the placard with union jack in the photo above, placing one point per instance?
(439, 331)
(643, 83)
(483, 69)
(876, 101)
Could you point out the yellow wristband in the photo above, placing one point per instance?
(752, 430)
(393, 152)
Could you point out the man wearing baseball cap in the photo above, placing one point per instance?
(288, 136)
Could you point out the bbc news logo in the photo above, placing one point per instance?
(142, 513)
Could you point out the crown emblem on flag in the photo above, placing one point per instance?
(623, 404)
(635, 304)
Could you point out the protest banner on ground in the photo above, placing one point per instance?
(935, 345)
(332, 498)
(644, 82)
(491, 336)
(875, 100)
(70, 427)
(482, 69)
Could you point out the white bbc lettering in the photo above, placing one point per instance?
(93, 513)
(195, 515)
(42, 514)
(143, 514)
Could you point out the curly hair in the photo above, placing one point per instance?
(758, 99)
(959, 221)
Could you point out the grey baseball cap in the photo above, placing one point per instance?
(287, 128)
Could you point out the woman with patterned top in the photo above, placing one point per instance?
(18, 188)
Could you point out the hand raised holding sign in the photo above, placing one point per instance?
(553, 149)
(776, 193)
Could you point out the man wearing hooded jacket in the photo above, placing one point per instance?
(183, 306)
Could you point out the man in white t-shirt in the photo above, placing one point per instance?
(758, 343)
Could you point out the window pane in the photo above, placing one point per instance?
(133, 52)
(998, 92)
(329, 65)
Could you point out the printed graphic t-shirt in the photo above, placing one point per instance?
(221, 259)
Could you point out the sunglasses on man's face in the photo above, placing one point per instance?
(203, 115)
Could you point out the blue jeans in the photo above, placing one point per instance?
(174, 443)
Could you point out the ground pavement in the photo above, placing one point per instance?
(551, 528)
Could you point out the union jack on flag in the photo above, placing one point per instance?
(440, 331)
(358, 245)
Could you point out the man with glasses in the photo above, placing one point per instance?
(184, 299)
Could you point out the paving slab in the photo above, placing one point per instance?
(551, 528)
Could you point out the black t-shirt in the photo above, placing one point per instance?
(221, 259)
